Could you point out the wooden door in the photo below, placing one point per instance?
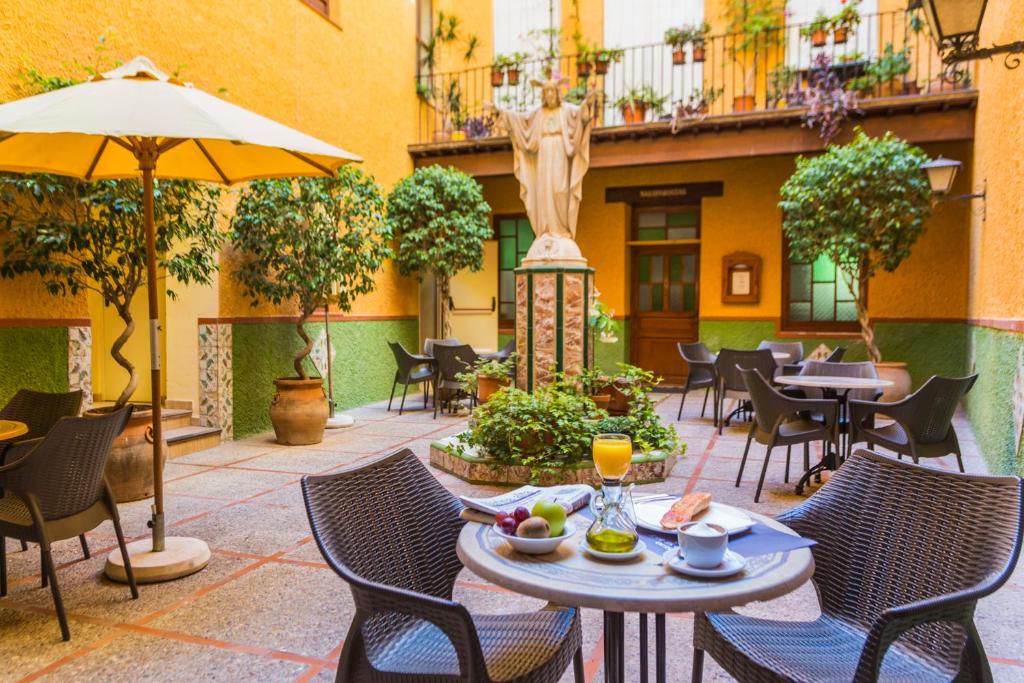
(665, 282)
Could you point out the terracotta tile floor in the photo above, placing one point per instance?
(268, 608)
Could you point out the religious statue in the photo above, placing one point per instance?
(551, 152)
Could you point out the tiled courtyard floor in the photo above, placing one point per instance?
(268, 609)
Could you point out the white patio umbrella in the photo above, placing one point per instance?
(138, 120)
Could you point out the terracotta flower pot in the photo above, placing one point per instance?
(583, 69)
(601, 400)
(911, 88)
(679, 56)
(743, 103)
(497, 78)
(634, 114)
(895, 372)
(698, 52)
(601, 68)
(840, 35)
(891, 88)
(819, 37)
(513, 76)
(299, 410)
(130, 463)
(485, 386)
(618, 402)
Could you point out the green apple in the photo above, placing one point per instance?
(551, 511)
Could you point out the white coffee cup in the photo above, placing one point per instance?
(702, 545)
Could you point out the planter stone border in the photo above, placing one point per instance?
(473, 468)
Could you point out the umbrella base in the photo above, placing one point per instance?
(340, 421)
(181, 557)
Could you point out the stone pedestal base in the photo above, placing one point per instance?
(552, 306)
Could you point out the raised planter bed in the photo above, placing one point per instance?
(475, 469)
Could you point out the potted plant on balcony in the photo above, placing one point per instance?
(889, 72)
(869, 228)
(697, 36)
(755, 26)
(817, 30)
(306, 243)
(498, 67)
(487, 376)
(636, 102)
(440, 221)
(603, 58)
(844, 21)
(584, 59)
(781, 86)
(695, 107)
(514, 66)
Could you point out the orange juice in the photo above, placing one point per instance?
(612, 455)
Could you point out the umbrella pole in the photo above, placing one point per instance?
(147, 165)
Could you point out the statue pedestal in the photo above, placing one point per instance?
(552, 307)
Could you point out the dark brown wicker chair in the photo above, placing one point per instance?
(451, 360)
(904, 553)
(700, 364)
(837, 355)
(923, 426)
(410, 369)
(398, 557)
(730, 382)
(780, 420)
(54, 489)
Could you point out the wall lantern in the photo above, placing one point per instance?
(941, 174)
(955, 25)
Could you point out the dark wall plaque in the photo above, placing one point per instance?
(663, 195)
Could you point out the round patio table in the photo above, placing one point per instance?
(643, 585)
(11, 429)
(836, 388)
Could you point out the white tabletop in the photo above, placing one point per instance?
(780, 355)
(569, 577)
(833, 382)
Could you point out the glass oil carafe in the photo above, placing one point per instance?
(613, 530)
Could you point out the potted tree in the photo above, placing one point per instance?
(863, 205)
(636, 102)
(755, 29)
(440, 220)
(88, 236)
(308, 242)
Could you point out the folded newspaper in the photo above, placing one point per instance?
(571, 496)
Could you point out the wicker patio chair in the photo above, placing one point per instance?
(410, 369)
(729, 381)
(451, 360)
(398, 557)
(428, 344)
(781, 420)
(700, 374)
(898, 579)
(794, 349)
(923, 426)
(837, 355)
(54, 489)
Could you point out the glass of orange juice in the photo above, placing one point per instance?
(613, 454)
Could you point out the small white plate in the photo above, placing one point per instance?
(732, 563)
(637, 551)
(649, 514)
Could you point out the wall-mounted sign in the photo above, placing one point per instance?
(663, 195)
(741, 278)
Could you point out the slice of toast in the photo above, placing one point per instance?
(685, 509)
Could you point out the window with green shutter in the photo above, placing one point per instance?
(514, 239)
(818, 296)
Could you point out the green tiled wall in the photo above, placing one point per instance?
(33, 358)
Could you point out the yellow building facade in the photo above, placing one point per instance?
(349, 76)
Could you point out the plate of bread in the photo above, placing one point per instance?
(665, 515)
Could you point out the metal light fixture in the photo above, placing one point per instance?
(955, 25)
(941, 173)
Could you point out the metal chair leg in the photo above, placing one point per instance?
(58, 603)
(960, 462)
(85, 546)
(129, 572)
(577, 666)
(807, 456)
(743, 462)
(704, 406)
(393, 385)
(698, 666)
(679, 415)
(45, 580)
(3, 566)
(764, 470)
(789, 451)
(24, 547)
(401, 406)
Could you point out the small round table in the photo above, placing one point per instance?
(643, 585)
(834, 387)
(11, 429)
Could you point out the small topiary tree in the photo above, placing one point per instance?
(310, 241)
(440, 220)
(863, 204)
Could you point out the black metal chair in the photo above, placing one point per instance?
(410, 369)
(54, 489)
(401, 573)
(781, 420)
(837, 355)
(729, 381)
(923, 426)
(700, 364)
(903, 555)
(451, 360)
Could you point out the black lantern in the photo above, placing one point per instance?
(955, 25)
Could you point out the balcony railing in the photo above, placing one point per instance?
(888, 54)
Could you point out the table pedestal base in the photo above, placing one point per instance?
(615, 648)
(830, 461)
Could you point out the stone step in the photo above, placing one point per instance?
(190, 439)
(173, 418)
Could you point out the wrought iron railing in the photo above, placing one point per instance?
(888, 54)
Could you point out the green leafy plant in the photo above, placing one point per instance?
(847, 17)
(607, 55)
(440, 220)
(593, 380)
(644, 96)
(486, 367)
(862, 204)
(310, 242)
(781, 84)
(634, 381)
(675, 37)
(756, 26)
(696, 33)
(642, 423)
(602, 323)
(821, 22)
(891, 65)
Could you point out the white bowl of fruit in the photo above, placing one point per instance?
(534, 532)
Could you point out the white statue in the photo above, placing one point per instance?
(551, 149)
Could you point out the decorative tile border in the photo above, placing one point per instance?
(80, 362)
(215, 378)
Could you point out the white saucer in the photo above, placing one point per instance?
(637, 551)
(732, 563)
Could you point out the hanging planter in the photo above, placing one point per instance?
(583, 68)
(840, 35)
(679, 56)
(698, 51)
(497, 78)
(513, 75)
(819, 37)
(601, 68)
